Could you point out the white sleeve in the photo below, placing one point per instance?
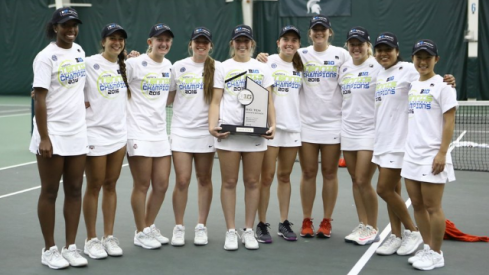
(173, 85)
(42, 73)
(448, 98)
(267, 77)
(219, 77)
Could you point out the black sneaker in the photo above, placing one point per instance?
(286, 232)
(262, 233)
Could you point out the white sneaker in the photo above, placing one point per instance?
(410, 242)
(157, 235)
(201, 235)
(178, 238)
(94, 249)
(231, 242)
(53, 258)
(249, 240)
(111, 246)
(354, 233)
(367, 236)
(390, 245)
(73, 256)
(430, 260)
(145, 239)
(419, 254)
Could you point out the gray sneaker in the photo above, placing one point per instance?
(285, 231)
(262, 233)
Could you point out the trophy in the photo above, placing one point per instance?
(254, 98)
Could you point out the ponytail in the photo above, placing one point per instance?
(297, 62)
(50, 30)
(122, 66)
(209, 68)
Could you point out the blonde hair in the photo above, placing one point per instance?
(231, 48)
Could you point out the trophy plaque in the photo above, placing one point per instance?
(254, 99)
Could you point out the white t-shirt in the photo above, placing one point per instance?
(231, 111)
(107, 94)
(358, 89)
(287, 83)
(190, 111)
(320, 100)
(391, 108)
(428, 101)
(62, 73)
(149, 82)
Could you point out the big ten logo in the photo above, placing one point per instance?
(253, 71)
(69, 73)
(152, 85)
(390, 79)
(245, 97)
(363, 74)
(165, 74)
(425, 91)
(109, 84)
(328, 62)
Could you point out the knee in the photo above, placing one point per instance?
(328, 174)
(182, 183)
(49, 194)
(93, 189)
(109, 187)
(309, 174)
(267, 179)
(204, 180)
(73, 192)
(432, 209)
(160, 187)
(141, 186)
(417, 204)
(283, 177)
(251, 183)
(383, 192)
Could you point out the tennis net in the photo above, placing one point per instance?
(470, 144)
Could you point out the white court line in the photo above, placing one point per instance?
(24, 114)
(371, 250)
(28, 189)
(17, 165)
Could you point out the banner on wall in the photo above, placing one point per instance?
(308, 8)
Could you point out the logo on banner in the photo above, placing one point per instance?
(313, 6)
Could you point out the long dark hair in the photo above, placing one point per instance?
(50, 30)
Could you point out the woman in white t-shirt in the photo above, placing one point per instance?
(358, 78)
(59, 138)
(191, 92)
(148, 148)
(106, 96)
(226, 109)
(287, 69)
(427, 163)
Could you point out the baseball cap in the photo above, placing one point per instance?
(319, 20)
(111, 28)
(201, 31)
(242, 30)
(359, 33)
(387, 38)
(65, 14)
(289, 28)
(425, 45)
(159, 29)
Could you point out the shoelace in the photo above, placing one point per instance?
(358, 228)
(287, 227)
(97, 244)
(76, 252)
(263, 228)
(248, 236)
(389, 240)
(307, 224)
(406, 239)
(54, 254)
(112, 242)
(200, 232)
(232, 236)
(367, 231)
(179, 232)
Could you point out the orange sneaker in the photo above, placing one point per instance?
(307, 230)
(324, 230)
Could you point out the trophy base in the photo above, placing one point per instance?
(243, 130)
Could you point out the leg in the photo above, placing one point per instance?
(330, 156)
(252, 164)
(160, 176)
(229, 163)
(286, 159)
(432, 198)
(95, 170)
(203, 169)
(420, 212)
(308, 156)
(266, 179)
(50, 171)
(109, 199)
(389, 189)
(72, 184)
(364, 172)
(141, 174)
(182, 162)
(351, 166)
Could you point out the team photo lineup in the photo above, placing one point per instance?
(360, 103)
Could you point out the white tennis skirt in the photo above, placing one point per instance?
(73, 145)
(242, 143)
(146, 148)
(200, 144)
(357, 144)
(285, 139)
(389, 160)
(423, 173)
(320, 136)
(104, 150)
